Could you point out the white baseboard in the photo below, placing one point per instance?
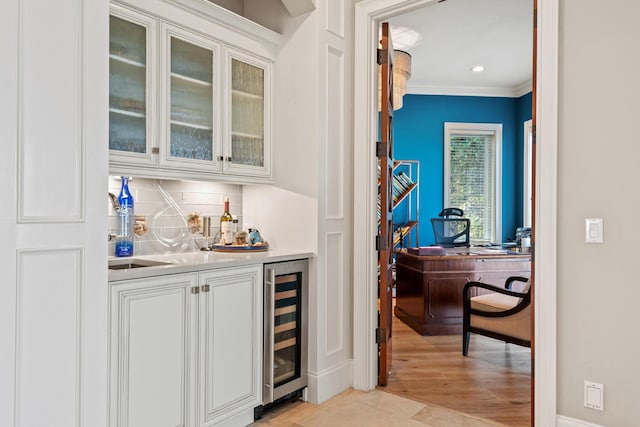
(330, 382)
(562, 421)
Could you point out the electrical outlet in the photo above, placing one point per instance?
(594, 395)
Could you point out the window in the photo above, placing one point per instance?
(473, 176)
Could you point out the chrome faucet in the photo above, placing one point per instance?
(116, 207)
(114, 202)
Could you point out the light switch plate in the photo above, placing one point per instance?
(594, 395)
(594, 230)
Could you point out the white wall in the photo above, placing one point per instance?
(598, 175)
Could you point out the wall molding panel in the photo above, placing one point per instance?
(333, 327)
(54, 293)
(334, 144)
(335, 295)
(335, 17)
(47, 373)
(50, 109)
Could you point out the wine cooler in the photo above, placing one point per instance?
(285, 330)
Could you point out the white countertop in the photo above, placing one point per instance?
(189, 262)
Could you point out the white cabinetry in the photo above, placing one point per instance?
(190, 134)
(247, 141)
(152, 351)
(132, 83)
(231, 343)
(190, 95)
(186, 349)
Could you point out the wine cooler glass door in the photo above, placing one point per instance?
(285, 346)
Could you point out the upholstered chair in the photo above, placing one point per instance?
(500, 313)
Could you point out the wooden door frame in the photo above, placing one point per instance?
(385, 244)
(368, 15)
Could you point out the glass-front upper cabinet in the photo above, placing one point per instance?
(131, 61)
(247, 145)
(183, 103)
(191, 132)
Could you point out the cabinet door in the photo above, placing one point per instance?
(153, 339)
(131, 87)
(231, 343)
(191, 130)
(248, 141)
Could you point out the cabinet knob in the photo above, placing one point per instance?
(229, 159)
(221, 158)
(155, 150)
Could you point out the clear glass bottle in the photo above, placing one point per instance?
(226, 224)
(124, 240)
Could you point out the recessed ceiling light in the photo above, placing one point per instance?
(477, 68)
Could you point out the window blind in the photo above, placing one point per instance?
(472, 181)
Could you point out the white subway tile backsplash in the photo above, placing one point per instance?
(167, 219)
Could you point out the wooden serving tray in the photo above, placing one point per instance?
(240, 248)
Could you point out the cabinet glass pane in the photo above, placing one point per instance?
(191, 143)
(247, 114)
(127, 86)
(127, 40)
(127, 132)
(191, 113)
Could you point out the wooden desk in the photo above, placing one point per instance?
(429, 288)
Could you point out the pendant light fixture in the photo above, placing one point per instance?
(401, 73)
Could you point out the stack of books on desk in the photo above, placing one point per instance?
(427, 250)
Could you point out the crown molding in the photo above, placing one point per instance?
(506, 92)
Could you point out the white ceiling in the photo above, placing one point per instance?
(458, 34)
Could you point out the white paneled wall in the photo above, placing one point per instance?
(166, 206)
(332, 373)
(53, 169)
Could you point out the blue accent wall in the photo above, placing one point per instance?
(419, 135)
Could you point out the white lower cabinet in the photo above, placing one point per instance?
(186, 349)
(231, 344)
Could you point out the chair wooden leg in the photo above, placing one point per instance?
(465, 342)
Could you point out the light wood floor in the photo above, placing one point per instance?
(492, 382)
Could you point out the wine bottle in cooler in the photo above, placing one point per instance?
(124, 239)
(226, 224)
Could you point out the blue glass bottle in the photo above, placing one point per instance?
(124, 240)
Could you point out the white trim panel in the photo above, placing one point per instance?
(573, 422)
(335, 17)
(50, 109)
(334, 144)
(546, 215)
(334, 314)
(48, 326)
(330, 382)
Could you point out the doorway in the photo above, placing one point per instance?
(368, 15)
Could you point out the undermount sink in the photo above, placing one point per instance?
(125, 264)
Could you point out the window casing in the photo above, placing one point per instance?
(528, 173)
(473, 176)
